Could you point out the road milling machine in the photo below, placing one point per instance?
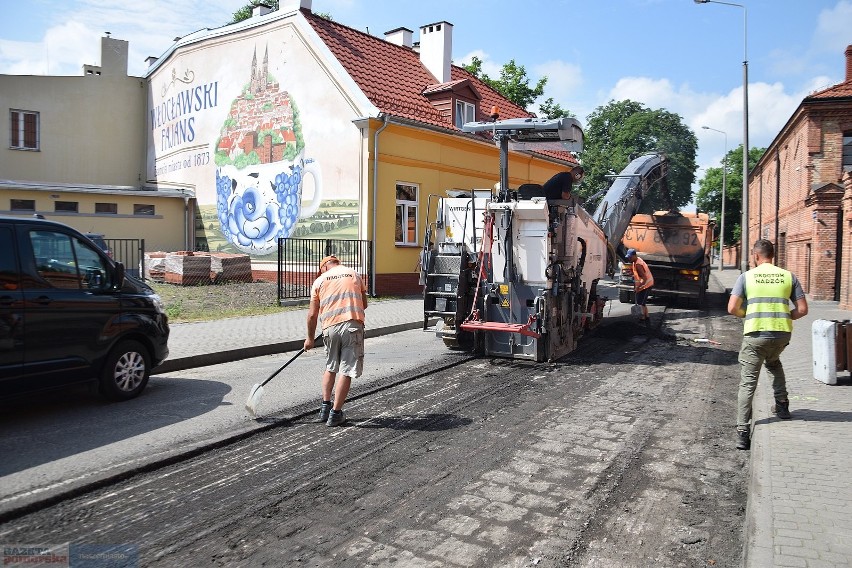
(515, 274)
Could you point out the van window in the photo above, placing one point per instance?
(66, 262)
(8, 265)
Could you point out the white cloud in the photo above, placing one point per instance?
(832, 31)
(563, 80)
(489, 66)
(74, 39)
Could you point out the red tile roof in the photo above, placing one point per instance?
(396, 82)
(837, 91)
(393, 78)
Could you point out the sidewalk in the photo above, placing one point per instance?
(220, 341)
(799, 510)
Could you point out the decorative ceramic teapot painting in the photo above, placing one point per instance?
(261, 167)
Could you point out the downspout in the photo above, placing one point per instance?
(385, 119)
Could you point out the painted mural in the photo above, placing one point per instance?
(261, 166)
(252, 127)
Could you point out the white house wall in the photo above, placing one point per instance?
(205, 112)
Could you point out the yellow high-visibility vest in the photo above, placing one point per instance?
(768, 291)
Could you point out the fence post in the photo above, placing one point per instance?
(279, 275)
(142, 260)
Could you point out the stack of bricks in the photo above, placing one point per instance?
(226, 267)
(155, 266)
(187, 269)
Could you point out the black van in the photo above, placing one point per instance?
(69, 314)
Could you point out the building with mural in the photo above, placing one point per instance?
(292, 125)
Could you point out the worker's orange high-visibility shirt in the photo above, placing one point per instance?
(339, 291)
(642, 272)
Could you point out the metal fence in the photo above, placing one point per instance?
(129, 252)
(298, 261)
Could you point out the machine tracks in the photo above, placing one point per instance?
(482, 463)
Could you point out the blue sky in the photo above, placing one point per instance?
(673, 54)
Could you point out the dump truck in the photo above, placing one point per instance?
(676, 247)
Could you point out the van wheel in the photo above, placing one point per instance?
(126, 371)
(624, 297)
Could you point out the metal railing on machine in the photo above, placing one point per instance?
(298, 260)
(129, 252)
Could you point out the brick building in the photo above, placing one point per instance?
(800, 193)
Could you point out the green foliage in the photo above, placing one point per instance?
(709, 195)
(549, 109)
(512, 84)
(244, 13)
(622, 130)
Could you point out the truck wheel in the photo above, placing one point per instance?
(624, 297)
(126, 371)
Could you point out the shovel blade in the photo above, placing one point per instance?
(254, 399)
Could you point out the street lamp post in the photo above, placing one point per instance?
(724, 188)
(744, 253)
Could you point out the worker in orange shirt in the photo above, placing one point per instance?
(338, 301)
(643, 280)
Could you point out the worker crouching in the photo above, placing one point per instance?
(338, 301)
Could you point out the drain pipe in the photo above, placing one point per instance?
(385, 118)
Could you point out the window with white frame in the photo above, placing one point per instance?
(24, 130)
(406, 214)
(465, 112)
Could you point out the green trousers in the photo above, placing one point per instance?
(756, 352)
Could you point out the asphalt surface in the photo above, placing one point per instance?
(799, 510)
(799, 506)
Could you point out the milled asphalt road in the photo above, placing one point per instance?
(799, 509)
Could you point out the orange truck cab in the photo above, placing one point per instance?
(676, 247)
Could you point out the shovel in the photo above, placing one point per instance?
(257, 390)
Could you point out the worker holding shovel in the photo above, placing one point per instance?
(338, 301)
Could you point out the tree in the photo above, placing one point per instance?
(549, 109)
(244, 13)
(515, 86)
(709, 195)
(622, 130)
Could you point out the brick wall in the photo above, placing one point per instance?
(796, 200)
(846, 261)
(399, 284)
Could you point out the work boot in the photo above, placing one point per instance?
(336, 418)
(324, 411)
(782, 409)
(743, 440)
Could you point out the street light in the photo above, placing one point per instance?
(724, 186)
(744, 222)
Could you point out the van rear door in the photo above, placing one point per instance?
(11, 308)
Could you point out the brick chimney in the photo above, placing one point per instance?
(436, 48)
(848, 63)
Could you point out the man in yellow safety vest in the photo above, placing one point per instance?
(766, 290)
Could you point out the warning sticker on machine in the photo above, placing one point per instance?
(504, 289)
(504, 303)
